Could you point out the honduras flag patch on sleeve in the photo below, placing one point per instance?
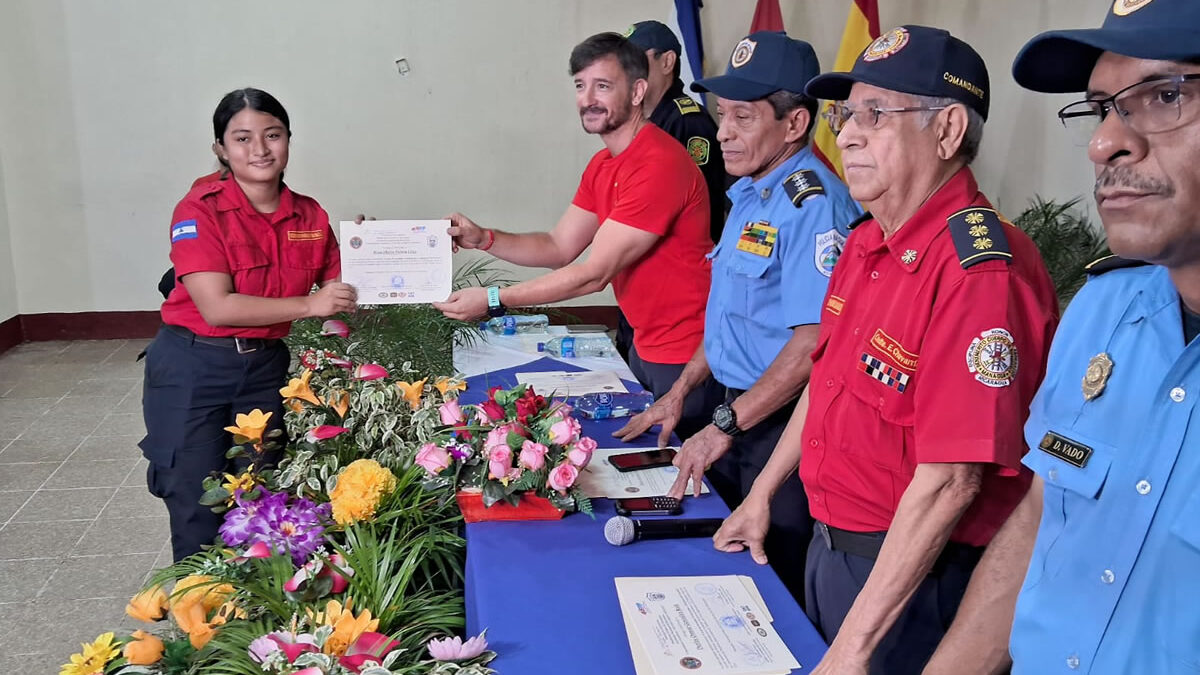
(184, 229)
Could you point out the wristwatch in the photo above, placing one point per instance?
(494, 307)
(725, 419)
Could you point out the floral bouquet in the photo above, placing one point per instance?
(513, 444)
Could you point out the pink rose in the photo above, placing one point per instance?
(496, 438)
(450, 412)
(581, 454)
(563, 476)
(432, 458)
(533, 455)
(499, 461)
(565, 431)
(562, 409)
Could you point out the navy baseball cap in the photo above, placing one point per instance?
(762, 64)
(1061, 61)
(914, 60)
(653, 35)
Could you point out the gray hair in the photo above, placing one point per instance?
(784, 101)
(974, 134)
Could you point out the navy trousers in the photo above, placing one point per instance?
(192, 391)
(658, 378)
(833, 580)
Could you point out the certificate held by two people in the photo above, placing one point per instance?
(397, 262)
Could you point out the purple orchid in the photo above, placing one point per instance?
(296, 528)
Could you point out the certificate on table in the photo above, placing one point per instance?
(684, 625)
(601, 479)
(563, 383)
(397, 262)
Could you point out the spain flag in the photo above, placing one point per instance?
(861, 28)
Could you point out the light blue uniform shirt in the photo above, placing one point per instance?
(1114, 582)
(759, 295)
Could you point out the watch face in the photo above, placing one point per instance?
(723, 416)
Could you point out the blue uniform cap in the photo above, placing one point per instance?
(1061, 61)
(915, 60)
(762, 64)
(653, 35)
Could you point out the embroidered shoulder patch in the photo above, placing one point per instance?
(184, 229)
(687, 105)
(698, 147)
(802, 185)
(992, 358)
(827, 250)
(978, 235)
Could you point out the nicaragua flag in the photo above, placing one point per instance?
(685, 21)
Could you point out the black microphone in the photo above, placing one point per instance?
(620, 530)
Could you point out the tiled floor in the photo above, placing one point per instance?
(78, 530)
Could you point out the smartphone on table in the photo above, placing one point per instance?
(649, 506)
(643, 459)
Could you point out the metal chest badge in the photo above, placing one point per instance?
(1096, 378)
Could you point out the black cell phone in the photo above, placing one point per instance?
(649, 506)
(644, 459)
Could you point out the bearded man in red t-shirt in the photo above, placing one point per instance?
(642, 206)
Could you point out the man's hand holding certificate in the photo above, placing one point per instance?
(397, 262)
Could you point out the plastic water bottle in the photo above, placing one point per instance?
(512, 324)
(601, 406)
(583, 345)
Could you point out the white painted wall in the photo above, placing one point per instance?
(105, 114)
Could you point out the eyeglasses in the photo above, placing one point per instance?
(1149, 107)
(838, 114)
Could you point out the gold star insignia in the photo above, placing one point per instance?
(909, 257)
(974, 218)
(983, 244)
(979, 230)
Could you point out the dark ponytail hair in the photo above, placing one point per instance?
(240, 99)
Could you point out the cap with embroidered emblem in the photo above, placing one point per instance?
(915, 60)
(653, 35)
(1061, 61)
(761, 64)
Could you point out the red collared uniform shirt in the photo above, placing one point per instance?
(277, 255)
(931, 347)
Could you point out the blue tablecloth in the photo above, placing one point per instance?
(545, 590)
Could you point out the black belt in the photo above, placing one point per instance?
(242, 345)
(862, 544)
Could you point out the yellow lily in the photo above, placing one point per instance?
(244, 482)
(340, 402)
(446, 384)
(298, 387)
(346, 627)
(412, 392)
(252, 425)
(93, 658)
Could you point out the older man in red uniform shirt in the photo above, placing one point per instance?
(933, 339)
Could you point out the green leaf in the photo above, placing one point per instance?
(493, 492)
(214, 496)
(235, 451)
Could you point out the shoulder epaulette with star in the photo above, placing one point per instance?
(1109, 263)
(978, 236)
(687, 105)
(801, 185)
(859, 220)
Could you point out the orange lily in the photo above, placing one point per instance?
(346, 627)
(446, 384)
(412, 391)
(298, 387)
(144, 650)
(251, 426)
(340, 402)
(148, 605)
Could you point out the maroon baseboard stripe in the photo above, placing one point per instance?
(132, 325)
(10, 333)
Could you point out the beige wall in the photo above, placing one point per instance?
(8, 280)
(105, 114)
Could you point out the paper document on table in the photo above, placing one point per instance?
(601, 479)
(683, 625)
(562, 383)
(397, 262)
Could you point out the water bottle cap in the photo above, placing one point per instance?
(541, 346)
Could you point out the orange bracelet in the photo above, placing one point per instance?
(491, 240)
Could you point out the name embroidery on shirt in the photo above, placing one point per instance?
(891, 347)
(1072, 452)
(758, 238)
(305, 235)
(834, 305)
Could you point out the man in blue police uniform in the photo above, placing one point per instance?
(1111, 584)
(683, 118)
(771, 268)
